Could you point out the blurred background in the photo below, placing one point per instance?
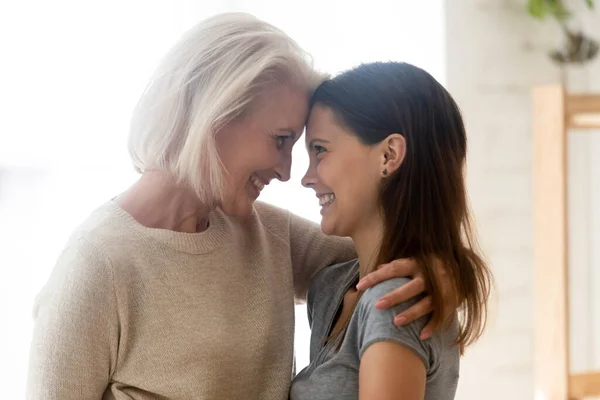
(71, 72)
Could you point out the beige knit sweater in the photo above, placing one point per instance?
(131, 312)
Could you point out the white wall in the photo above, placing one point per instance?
(495, 53)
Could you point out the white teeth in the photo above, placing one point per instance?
(257, 183)
(326, 199)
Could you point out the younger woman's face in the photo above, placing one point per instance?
(344, 173)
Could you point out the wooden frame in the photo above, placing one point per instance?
(555, 113)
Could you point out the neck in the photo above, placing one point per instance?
(156, 201)
(367, 241)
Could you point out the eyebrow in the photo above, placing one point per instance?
(311, 144)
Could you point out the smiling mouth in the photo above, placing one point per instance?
(326, 199)
(257, 183)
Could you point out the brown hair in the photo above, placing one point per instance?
(424, 203)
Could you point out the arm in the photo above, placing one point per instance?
(416, 287)
(311, 250)
(74, 347)
(393, 360)
(390, 371)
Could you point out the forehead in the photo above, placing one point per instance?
(321, 123)
(283, 107)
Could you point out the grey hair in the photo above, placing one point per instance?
(210, 77)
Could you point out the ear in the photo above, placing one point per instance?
(393, 149)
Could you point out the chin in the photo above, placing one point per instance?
(328, 227)
(239, 210)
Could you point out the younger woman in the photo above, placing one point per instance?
(387, 151)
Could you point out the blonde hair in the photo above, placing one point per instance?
(206, 80)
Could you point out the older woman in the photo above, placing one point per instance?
(183, 287)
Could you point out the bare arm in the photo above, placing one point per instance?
(393, 360)
(390, 371)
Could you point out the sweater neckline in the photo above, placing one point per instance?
(192, 243)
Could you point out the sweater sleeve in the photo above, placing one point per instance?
(75, 339)
(312, 250)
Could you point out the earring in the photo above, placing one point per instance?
(384, 172)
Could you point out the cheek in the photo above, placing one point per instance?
(336, 173)
(327, 172)
(253, 158)
(353, 183)
(361, 188)
(264, 153)
(230, 149)
(244, 151)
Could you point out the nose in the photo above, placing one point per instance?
(309, 179)
(283, 168)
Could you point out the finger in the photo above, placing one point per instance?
(422, 308)
(427, 331)
(405, 292)
(397, 268)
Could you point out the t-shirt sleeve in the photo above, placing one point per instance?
(378, 325)
(312, 250)
(75, 339)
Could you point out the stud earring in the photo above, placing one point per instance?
(384, 172)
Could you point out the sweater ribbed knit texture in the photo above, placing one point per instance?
(131, 312)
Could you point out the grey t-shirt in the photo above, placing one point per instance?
(334, 375)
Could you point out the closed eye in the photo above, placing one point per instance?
(280, 141)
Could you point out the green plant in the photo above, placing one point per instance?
(540, 9)
(578, 48)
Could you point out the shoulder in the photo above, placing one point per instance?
(83, 274)
(372, 318)
(367, 310)
(372, 295)
(375, 325)
(86, 248)
(283, 223)
(84, 256)
(269, 213)
(107, 231)
(86, 264)
(274, 219)
(378, 325)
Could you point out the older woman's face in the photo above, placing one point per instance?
(257, 147)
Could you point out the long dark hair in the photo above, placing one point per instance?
(424, 203)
